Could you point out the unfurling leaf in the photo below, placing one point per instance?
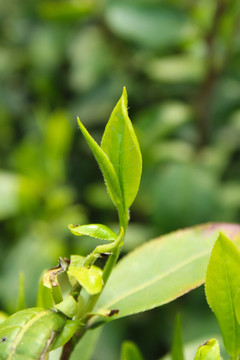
(89, 278)
(208, 351)
(97, 231)
(120, 144)
(106, 167)
(222, 284)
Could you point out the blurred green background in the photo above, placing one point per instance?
(59, 59)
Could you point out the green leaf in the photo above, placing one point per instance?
(237, 305)
(76, 261)
(105, 165)
(208, 351)
(30, 332)
(67, 332)
(65, 11)
(89, 278)
(44, 295)
(130, 351)
(154, 25)
(177, 347)
(120, 144)
(21, 303)
(162, 269)
(222, 284)
(68, 306)
(98, 231)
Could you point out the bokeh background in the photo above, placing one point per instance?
(180, 62)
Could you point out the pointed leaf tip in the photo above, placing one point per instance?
(222, 284)
(97, 231)
(120, 144)
(105, 165)
(124, 99)
(208, 351)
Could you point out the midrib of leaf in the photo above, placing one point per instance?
(230, 295)
(157, 278)
(24, 329)
(120, 162)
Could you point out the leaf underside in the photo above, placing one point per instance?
(162, 269)
(97, 231)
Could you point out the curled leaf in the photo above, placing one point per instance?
(68, 306)
(208, 351)
(98, 231)
(89, 278)
(50, 278)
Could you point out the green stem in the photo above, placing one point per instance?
(123, 216)
(92, 300)
(106, 273)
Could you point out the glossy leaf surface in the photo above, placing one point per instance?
(162, 269)
(208, 351)
(98, 231)
(177, 346)
(105, 165)
(30, 332)
(130, 351)
(89, 278)
(222, 284)
(120, 144)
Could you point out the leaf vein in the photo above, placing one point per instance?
(157, 278)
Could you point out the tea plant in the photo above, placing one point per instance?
(154, 274)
